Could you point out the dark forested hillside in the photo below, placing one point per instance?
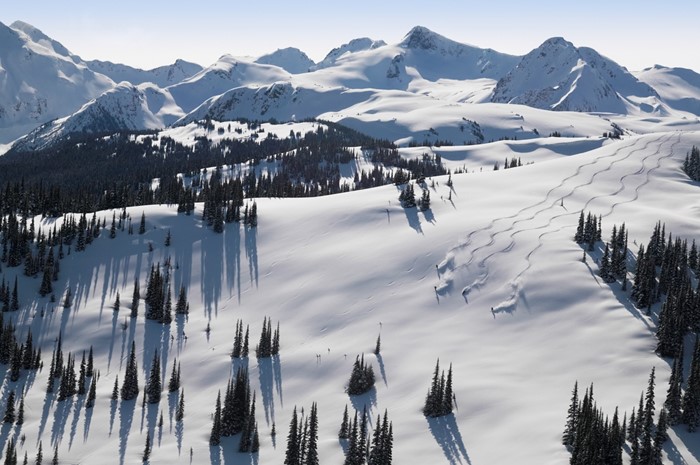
(118, 170)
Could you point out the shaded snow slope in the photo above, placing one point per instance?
(40, 81)
(559, 76)
(123, 108)
(337, 271)
(163, 76)
(355, 45)
(679, 87)
(290, 59)
(227, 73)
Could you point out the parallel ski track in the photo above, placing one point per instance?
(551, 201)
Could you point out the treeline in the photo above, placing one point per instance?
(116, 171)
(593, 438)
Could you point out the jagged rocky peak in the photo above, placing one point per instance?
(423, 38)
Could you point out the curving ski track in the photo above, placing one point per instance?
(639, 145)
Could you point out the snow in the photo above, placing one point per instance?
(336, 271)
(41, 82)
(290, 59)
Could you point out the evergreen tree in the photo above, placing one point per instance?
(154, 388)
(130, 387)
(344, 432)
(674, 394)
(116, 303)
(691, 396)
(180, 412)
(20, 412)
(362, 377)
(10, 408)
(90, 402)
(147, 449)
(142, 225)
(312, 438)
(378, 345)
(291, 456)
(215, 436)
(135, 298)
(174, 382)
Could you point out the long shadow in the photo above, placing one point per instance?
(674, 454)
(173, 398)
(115, 319)
(251, 251)
(382, 371)
(446, 433)
(60, 416)
(212, 270)
(413, 220)
(690, 440)
(265, 373)
(215, 455)
(86, 424)
(231, 456)
(126, 416)
(368, 400)
(77, 408)
(232, 245)
(277, 376)
(179, 433)
(429, 216)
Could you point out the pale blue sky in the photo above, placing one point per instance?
(150, 33)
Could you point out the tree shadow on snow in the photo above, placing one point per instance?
(413, 220)
(232, 245)
(429, 216)
(446, 433)
(691, 442)
(368, 400)
(266, 376)
(382, 371)
(251, 251)
(126, 416)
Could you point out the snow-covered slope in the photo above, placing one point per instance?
(559, 76)
(488, 280)
(422, 55)
(40, 81)
(290, 59)
(355, 45)
(162, 76)
(123, 108)
(678, 87)
(227, 73)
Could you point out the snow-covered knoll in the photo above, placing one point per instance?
(679, 87)
(290, 59)
(336, 272)
(355, 45)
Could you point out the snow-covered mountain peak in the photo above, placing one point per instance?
(356, 45)
(557, 75)
(37, 36)
(290, 59)
(423, 38)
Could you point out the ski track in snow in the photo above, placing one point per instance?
(552, 200)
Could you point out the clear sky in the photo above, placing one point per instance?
(150, 33)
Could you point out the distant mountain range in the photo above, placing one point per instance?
(50, 94)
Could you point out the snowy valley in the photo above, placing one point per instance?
(168, 212)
